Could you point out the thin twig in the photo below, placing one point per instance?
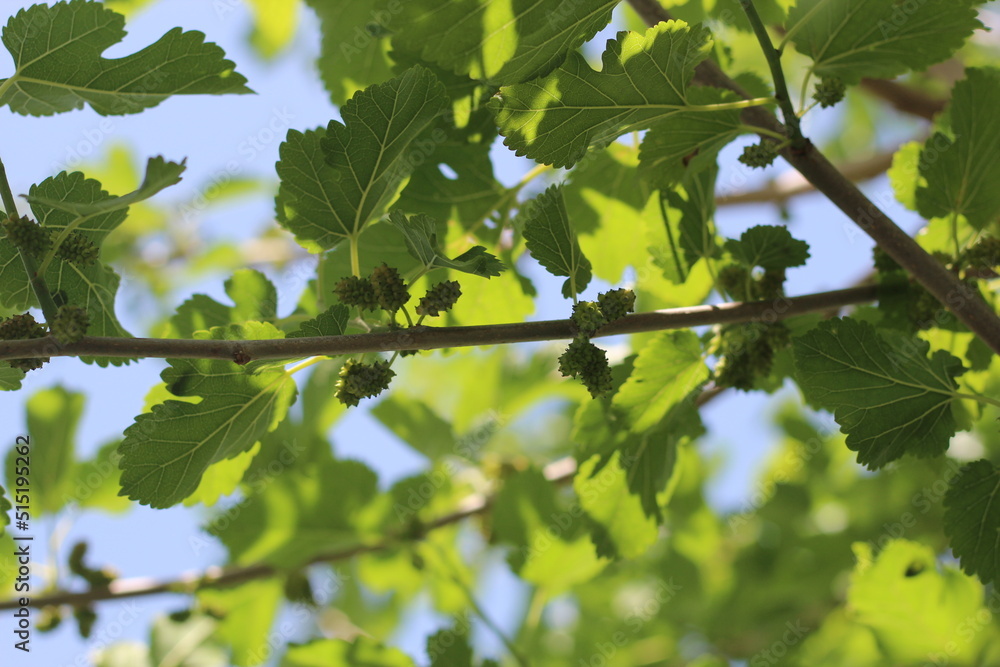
(946, 287)
(430, 338)
(905, 98)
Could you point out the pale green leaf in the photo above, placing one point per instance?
(417, 425)
(886, 395)
(972, 519)
(769, 247)
(10, 378)
(607, 500)
(58, 64)
(960, 175)
(246, 615)
(904, 174)
(500, 41)
(644, 79)
(5, 508)
(851, 39)
(420, 234)
(160, 174)
(668, 369)
(551, 240)
(53, 417)
(274, 25)
(362, 652)
(335, 181)
(221, 478)
(166, 451)
(254, 298)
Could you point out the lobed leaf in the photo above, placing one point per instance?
(167, 450)
(972, 519)
(331, 322)
(58, 65)
(10, 377)
(552, 241)
(420, 235)
(770, 247)
(886, 395)
(335, 181)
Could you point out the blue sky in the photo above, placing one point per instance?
(212, 132)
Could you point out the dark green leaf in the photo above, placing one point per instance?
(331, 322)
(420, 233)
(551, 240)
(10, 378)
(972, 519)
(769, 247)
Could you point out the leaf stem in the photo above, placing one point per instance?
(355, 259)
(9, 205)
(774, 62)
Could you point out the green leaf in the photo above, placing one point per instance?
(53, 417)
(94, 286)
(420, 233)
(551, 240)
(852, 39)
(668, 369)
(166, 451)
(5, 508)
(160, 174)
(769, 247)
(449, 647)
(331, 322)
(221, 479)
(57, 54)
(354, 51)
(417, 425)
(96, 481)
(247, 613)
(912, 606)
(690, 208)
(254, 299)
(300, 513)
(904, 173)
(362, 652)
(500, 41)
(555, 119)
(689, 141)
(335, 181)
(972, 519)
(10, 378)
(961, 173)
(886, 395)
(609, 502)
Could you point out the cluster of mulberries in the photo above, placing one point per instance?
(23, 327)
(78, 249)
(70, 323)
(359, 380)
(983, 255)
(759, 155)
(439, 298)
(584, 360)
(829, 91)
(354, 291)
(747, 353)
(390, 290)
(27, 235)
(737, 281)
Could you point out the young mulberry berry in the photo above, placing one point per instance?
(770, 285)
(829, 91)
(27, 235)
(439, 298)
(23, 327)
(390, 290)
(70, 323)
(587, 317)
(359, 380)
(983, 255)
(358, 292)
(78, 249)
(584, 360)
(616, 303)
(733, 279)
(759, 155)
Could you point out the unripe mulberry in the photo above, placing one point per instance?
(584, 360)
(390, 290)
(587, 317)
(70, 323)
(353, 291)
(27, 235)
(829, 91)
(983, 255)
(359, 380)
(439, 298)
(78, 249)
(759, 155)
(616, 303)
(733, 279)
(23, 327)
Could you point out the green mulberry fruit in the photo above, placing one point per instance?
(439, 298)
(829, 91)
(584, 360)
(770, 285)
(616, 303)
(70, 323)
(359, 380)
(353, 291)
(78, 249)
(587, 317)
(759, 155)
(733, 278)
(23, 327)
(390, 290)
(27, 235)
(985, 254)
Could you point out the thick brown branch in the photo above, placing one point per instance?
(557, 472)
(430, 338)
(975, 313)
(904, 98)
